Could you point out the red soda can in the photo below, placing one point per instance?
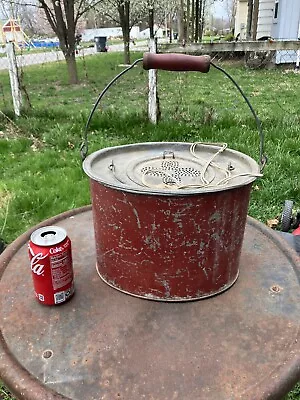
(51, 265)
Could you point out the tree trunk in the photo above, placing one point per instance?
(200, 21)
(202, 16)
(249, 19)
(188, 18)
(255, 19)
(180, 21)
(72, 68)
(192, 21)
(126, 51)
(62, 21)
(151, 21)
(196, 21)
(124, 10)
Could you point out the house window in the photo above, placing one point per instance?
(276, 9)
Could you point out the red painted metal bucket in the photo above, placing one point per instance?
(169, 218)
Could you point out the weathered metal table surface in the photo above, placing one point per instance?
(103, 344)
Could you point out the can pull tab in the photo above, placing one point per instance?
(168, 153)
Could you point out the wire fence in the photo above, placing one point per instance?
(41, 56)
(262, 59)
(30, 56)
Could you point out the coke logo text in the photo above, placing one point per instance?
(55, 250)
(36, 267)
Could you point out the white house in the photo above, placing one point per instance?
(88, 35)
(265, 18)
(278, 19)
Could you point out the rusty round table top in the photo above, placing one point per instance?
(104, 344)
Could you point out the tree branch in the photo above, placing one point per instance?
(113, 18)
(49, 15)
(87, 8)
(77, 16)
(16, 3)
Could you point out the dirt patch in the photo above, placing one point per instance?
(5, 197)
(11, 131)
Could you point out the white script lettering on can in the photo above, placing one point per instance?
(55, 250)
(37, 268)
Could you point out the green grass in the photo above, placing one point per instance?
(5, 394)
(194, 107)
(41, 172)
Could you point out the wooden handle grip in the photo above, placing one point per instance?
(176, 62)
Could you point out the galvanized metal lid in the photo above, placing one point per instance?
(171, 168)
(48, 236)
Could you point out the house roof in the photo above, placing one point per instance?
(11, 24)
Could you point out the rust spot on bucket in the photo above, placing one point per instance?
(276, 289)
(47, 354)
(215, 217)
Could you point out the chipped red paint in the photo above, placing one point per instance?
(171, 248)
(243, 345)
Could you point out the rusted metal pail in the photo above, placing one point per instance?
(169, 218)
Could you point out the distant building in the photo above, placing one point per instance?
(286, 19)
(159, 33)
(11, 31)
(88, 35)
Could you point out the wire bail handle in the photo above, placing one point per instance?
(176, 62)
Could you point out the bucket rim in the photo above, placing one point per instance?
(88, 161)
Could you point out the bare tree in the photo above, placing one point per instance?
(32, 22)
(63, 17)
(9, 9)
(125, 13)
(230, 11)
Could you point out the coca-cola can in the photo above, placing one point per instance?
(51, 265)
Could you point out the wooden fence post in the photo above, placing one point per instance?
(14, 79)
(152, 95)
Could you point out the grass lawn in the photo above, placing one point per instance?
(41, 172)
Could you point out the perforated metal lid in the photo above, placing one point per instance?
(171, 168)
